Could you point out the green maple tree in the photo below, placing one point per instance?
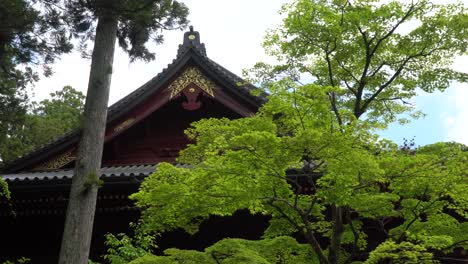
(413, 198)
(312, 159)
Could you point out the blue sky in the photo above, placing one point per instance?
(446, 118)
(233, 32)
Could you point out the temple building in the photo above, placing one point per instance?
(144, 128)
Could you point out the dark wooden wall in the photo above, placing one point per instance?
(160, 136)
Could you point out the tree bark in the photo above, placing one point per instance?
(77, 234)
(337, 233)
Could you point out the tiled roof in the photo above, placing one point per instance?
(106, 172)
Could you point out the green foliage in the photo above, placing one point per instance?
(139, 22)
(92, 180)
(376, 53)
(45, 121)
(232, 251)
(405, 252)
(33, 33)
(4, 191)
(36, 32)
(22, 260)
(32, 36)
(244, 163)
(175, 257)
(122, 249)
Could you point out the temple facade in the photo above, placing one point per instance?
(144, 128)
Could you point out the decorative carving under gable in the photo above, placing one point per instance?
(57, 162)
(191, 94)
(124, 124)
(191, 75)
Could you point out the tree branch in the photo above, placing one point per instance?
(313, 241)
(355, 236)
(412, 9)
(383, 86)
(308, 234)
(370, 52)
(332, 95)
(456, 243)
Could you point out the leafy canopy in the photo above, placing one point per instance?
(294, 162)
(377, 53)
(281, 249)
(45, 121)
(139, 22)
(32, 36)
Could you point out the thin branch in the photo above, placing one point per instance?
(385, 85)
(394, 99)
(369, 56)
(362, 81)
(455, 244)
(370, 52)
(382, 226)
(389, 109)
(355, 236)
(297, 110)
(397, 73)
(378, 69)
(453, 259)
(283, 214)
(412, 9)
(416, 216)
(308, 232)
(342, 66)
(313, 241)
(311, 206)
(332, 95)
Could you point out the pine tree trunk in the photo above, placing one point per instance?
(336, 236)
(77, 234)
